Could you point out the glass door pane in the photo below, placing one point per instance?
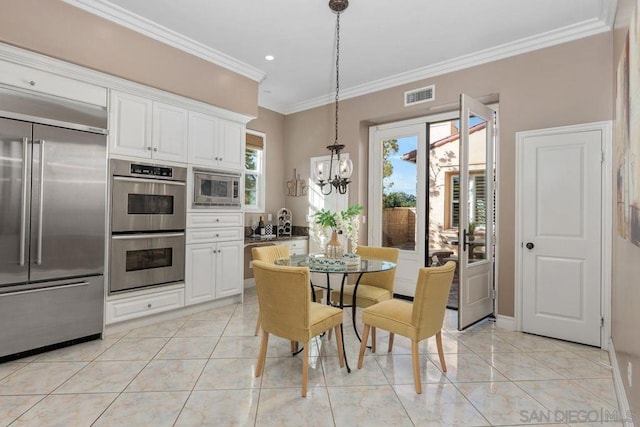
(477, 189)
(399, 189)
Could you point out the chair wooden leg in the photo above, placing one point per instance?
(294, 347)
(440, 351)
(329, 334)
(258, 324)
(340, 347)
(391, 335)
(373, 340)
(415, 357)
(363, 344)
(263, 353)
(305, 368)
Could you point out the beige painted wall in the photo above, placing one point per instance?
(59, 30)
(561, 85)
(272, 124)
(625, 316)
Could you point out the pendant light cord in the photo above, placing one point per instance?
(337, 71)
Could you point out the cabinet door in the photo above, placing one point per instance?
(229, 266)
(231, 145)
(169, 133)
(200, 273)
(130, 125)
(203, 131)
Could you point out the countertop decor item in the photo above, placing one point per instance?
(285, 222)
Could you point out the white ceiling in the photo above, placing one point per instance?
(383, 43)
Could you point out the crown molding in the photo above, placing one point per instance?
(608, 12)
(164, 35)
(528, 44)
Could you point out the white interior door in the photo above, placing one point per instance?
(561, 197)
(477, 226)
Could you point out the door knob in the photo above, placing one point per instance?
(529, 245)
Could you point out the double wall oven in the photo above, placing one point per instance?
(148, 219)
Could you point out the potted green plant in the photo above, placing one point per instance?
(345, 222)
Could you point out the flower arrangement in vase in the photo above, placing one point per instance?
(346, 222)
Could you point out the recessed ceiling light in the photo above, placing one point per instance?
(269, 57)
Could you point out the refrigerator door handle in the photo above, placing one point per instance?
(41, 204)
(23, 212)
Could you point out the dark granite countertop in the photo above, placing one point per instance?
(248, 240)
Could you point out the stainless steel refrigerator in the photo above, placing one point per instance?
(52, 232)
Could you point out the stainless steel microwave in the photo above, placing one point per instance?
(213, 188)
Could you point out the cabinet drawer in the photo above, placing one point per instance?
(297, 247)
(206, 235)
(51, 84)
(143, 305)
(214, 219)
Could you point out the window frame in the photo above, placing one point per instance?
(260, 174)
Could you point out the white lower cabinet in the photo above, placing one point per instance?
(213, 270)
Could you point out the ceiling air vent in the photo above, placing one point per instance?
(418, 96)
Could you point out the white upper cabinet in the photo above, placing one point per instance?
(169, 137)
(203, 133)
(142, 128)
(231, 145)
(215, 142)
(130, 125)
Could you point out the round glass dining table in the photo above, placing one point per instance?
(360, 269)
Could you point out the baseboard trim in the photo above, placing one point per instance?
(623, 403)
(506, 322)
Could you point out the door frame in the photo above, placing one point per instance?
(606, 224)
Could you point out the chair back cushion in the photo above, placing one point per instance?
(430, 300)
(382, 279)
(284, 295)
(270, 253)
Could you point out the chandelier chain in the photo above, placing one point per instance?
(337, 71)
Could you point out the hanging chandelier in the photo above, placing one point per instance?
(330, 174)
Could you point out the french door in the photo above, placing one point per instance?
(476, 231)
(397, 199)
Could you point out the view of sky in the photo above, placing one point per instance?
(404, 173)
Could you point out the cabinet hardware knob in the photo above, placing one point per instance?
(217, 219)
(148, 148)
(148, 305)
(32, 83)
(217, 235)
(155, 149)
(529, 245)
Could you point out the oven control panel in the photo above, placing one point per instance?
(140, 169)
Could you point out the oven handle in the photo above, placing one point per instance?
(145, 236)
(151, 181)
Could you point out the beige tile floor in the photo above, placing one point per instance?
(200, 370)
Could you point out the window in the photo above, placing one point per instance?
(254, 178)
(477, 198)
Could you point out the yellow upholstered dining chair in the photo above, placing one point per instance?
(286, 310)
(417, 321)
(270, 254)
(373, 287)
